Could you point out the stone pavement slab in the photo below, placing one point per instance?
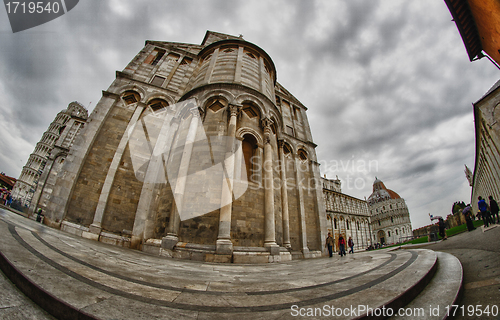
(479, 254)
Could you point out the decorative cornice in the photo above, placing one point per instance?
(109, 94)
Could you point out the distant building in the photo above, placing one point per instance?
(486, 178)
(347, 216)
(478, 22)
(390, 219)
(62, 126)
(6, 182)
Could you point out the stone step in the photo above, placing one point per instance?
(438, 297)
(72, 278)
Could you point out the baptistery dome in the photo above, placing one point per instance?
(390, 219)
(381, 193)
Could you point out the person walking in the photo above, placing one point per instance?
(494, 210)
(342, 246)
(39, 215)
(442, 228)
(483, 208)
(5, 197)
(329, 244)
(350, 243)
(468, 219)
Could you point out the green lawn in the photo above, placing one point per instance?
(462, 228)
(449, 233)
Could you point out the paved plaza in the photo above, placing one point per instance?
(75, 278)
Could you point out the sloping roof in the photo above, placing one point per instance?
(212, 36)
(7, 181)
(462, 15)
(495, 86)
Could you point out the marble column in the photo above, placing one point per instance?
(284, 198)
(172, 237)
(269, 225)
(224, 244)
(95, 227)
(356, 225)
(144, 216)
(370, 232)
(302, 211)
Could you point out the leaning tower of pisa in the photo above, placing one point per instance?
(27, 183)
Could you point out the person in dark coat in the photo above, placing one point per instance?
(483, 208)
(494, 210)
(350, 243)
(468, 219)
(329, 244)
(442, 227)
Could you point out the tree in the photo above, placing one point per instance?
(458, 206)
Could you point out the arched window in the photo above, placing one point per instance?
(157, 104)
(302, 155)
(186, 61)
(287, 149)
(251, 111)
(335, 222)
(131, 97)
(389, 233)
(249, 146)
(216, 104)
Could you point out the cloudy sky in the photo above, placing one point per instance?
(388, 84)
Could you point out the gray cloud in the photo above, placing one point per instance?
(384, 81)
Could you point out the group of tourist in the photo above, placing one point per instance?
(330, 242)
(488, 212)
(6, 197)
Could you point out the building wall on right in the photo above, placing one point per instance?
(486, 178)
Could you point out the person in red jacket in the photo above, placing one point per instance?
(342, 245)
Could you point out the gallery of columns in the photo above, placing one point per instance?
(347, 216)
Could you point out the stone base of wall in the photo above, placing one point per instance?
(105, 237)
(114, 239)
(73, 228)
(192, 251)
(312, 255)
